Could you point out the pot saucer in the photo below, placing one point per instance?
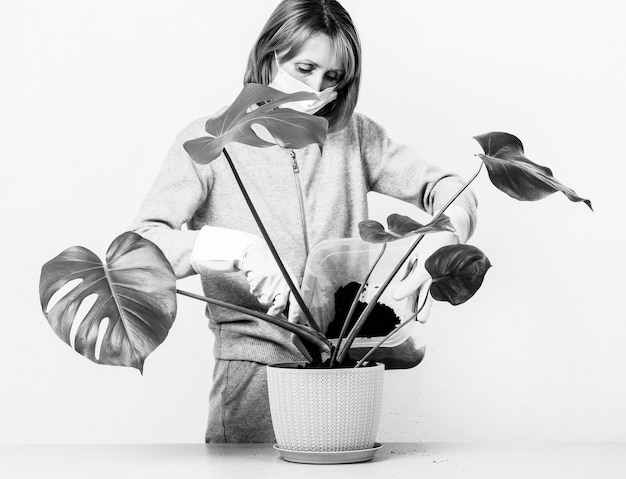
(328, 457)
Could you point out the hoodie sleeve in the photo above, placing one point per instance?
(178, 191)
(395, 170)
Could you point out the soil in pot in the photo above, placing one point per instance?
(347, 363)
(380, 322)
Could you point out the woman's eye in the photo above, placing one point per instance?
(304, 68)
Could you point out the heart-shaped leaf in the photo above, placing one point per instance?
(457, 271)
(258, 105)
(373, 232)
(514, 174)
(135, 288)
(404, 226)
(400, 226)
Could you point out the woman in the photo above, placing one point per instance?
(303, 197)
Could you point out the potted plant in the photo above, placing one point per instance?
(136, 287)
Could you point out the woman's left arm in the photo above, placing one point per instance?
(396, 170)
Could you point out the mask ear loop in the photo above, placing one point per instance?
(277, 65)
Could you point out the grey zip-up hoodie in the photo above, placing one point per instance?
(332, 186)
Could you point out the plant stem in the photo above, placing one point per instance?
(292, 287)
(391, 333)
(364, 315)
(344, 327)
(313, 337)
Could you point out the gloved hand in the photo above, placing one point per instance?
(265, 279)
(227, 250)
(416, 284)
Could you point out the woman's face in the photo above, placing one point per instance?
(315, 64)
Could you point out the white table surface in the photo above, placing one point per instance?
(394, 460)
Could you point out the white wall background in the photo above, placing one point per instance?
(94, 92)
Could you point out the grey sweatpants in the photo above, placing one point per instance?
(239, 408)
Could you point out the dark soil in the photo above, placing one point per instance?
(380, 322)
(347, 363)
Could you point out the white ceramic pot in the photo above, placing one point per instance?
(321, 410)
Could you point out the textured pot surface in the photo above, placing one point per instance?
(325, 409)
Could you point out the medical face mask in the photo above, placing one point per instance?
(284, 82)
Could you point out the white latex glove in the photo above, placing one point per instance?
(417, 283)
(265, 279)
(227, 250)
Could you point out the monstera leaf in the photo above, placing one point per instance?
(135, 288)
(457, 272)
(511, 172)
(400, 226)
(258, 105)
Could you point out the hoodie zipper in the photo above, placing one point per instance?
(296, 175)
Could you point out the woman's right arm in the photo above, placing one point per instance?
(179, 190)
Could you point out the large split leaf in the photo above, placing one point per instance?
(457, 271)
(514, 174)
(400, 226)
(258, 105)
(135, 288)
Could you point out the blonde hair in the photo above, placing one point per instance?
(289, 26)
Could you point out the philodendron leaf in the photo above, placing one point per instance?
(514, 174)
(404, 226)
(135, 288)
(457, 272)
(258, 105)
(400, 226)
(373, 232)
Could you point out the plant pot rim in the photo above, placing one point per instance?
(295, 366)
